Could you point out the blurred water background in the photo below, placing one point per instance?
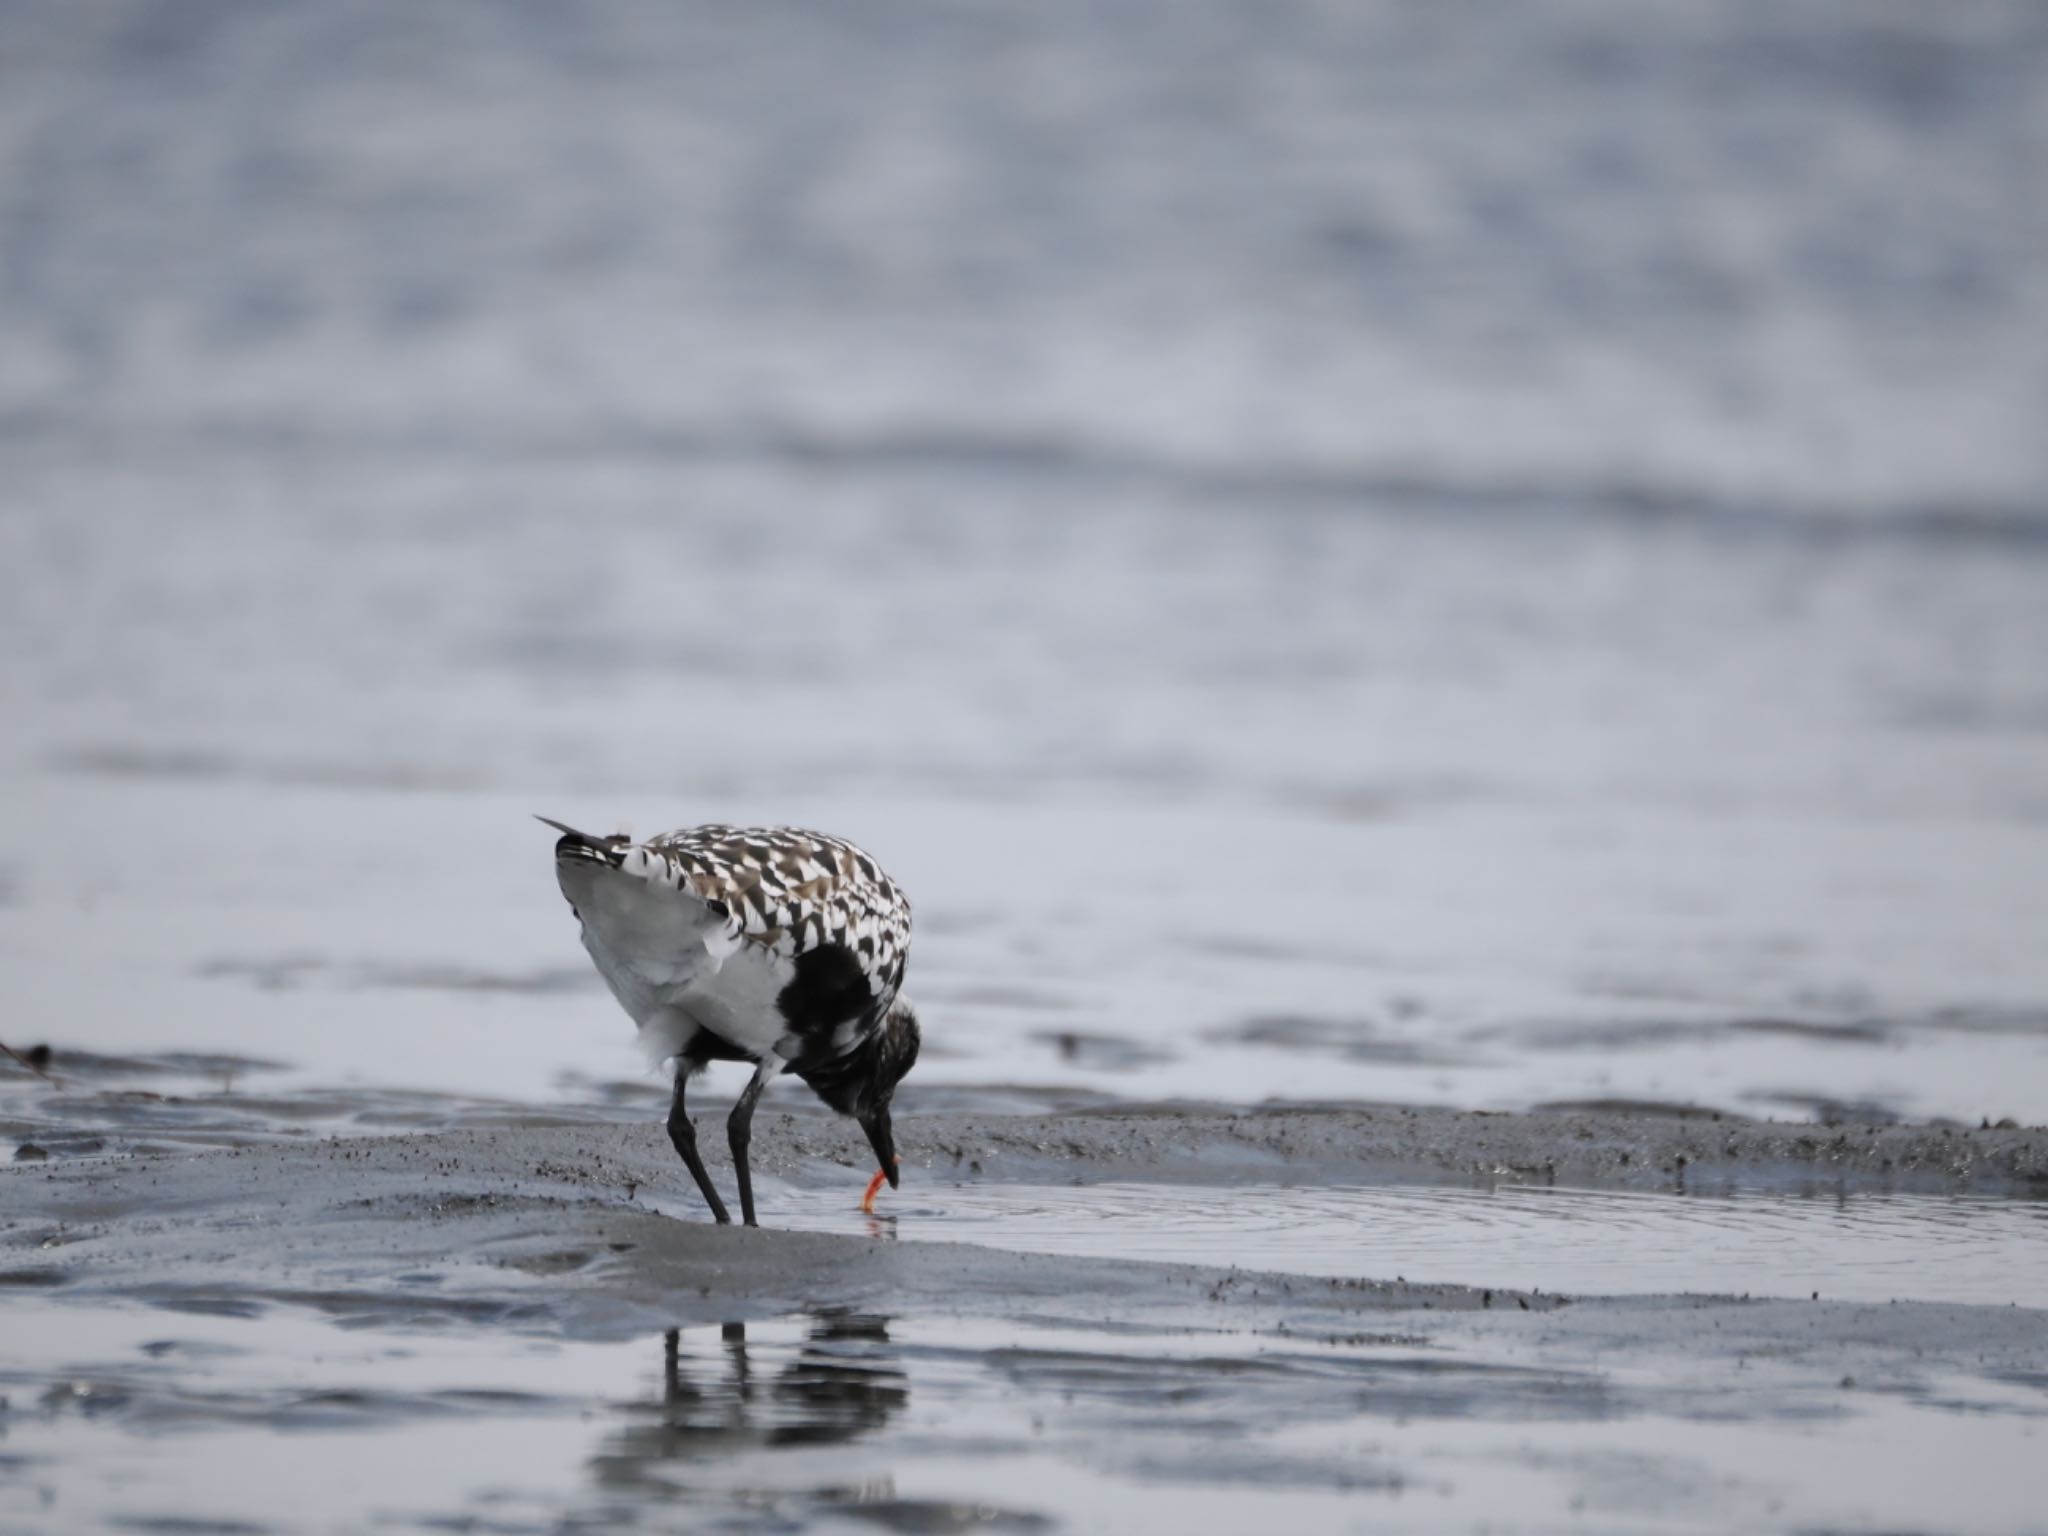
(1492, 554)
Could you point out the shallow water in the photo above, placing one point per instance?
(285, 1423)
(1485, 957)
(1336, 556)
(1865, 1247)
(1720, 260)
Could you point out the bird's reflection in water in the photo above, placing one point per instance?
(726, 1398)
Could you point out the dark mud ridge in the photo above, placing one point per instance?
(1696, 1153)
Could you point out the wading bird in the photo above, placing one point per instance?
(764, 944)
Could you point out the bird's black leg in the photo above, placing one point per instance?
(684, 1135)
(739, 1130)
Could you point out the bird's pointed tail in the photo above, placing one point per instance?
(572, 844)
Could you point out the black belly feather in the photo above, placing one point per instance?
(828, 990)
(705, 1046)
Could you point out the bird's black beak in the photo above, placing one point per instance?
(882, 1137)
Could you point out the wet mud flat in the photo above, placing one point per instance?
(1618, 1147)
(533, 1329)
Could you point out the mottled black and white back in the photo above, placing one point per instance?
(766, 944)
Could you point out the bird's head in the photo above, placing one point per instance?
(896, 1051)
(894, 1054)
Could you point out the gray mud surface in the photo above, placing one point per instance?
(1696, 1151)
(551, 1225)
(471, 1319)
